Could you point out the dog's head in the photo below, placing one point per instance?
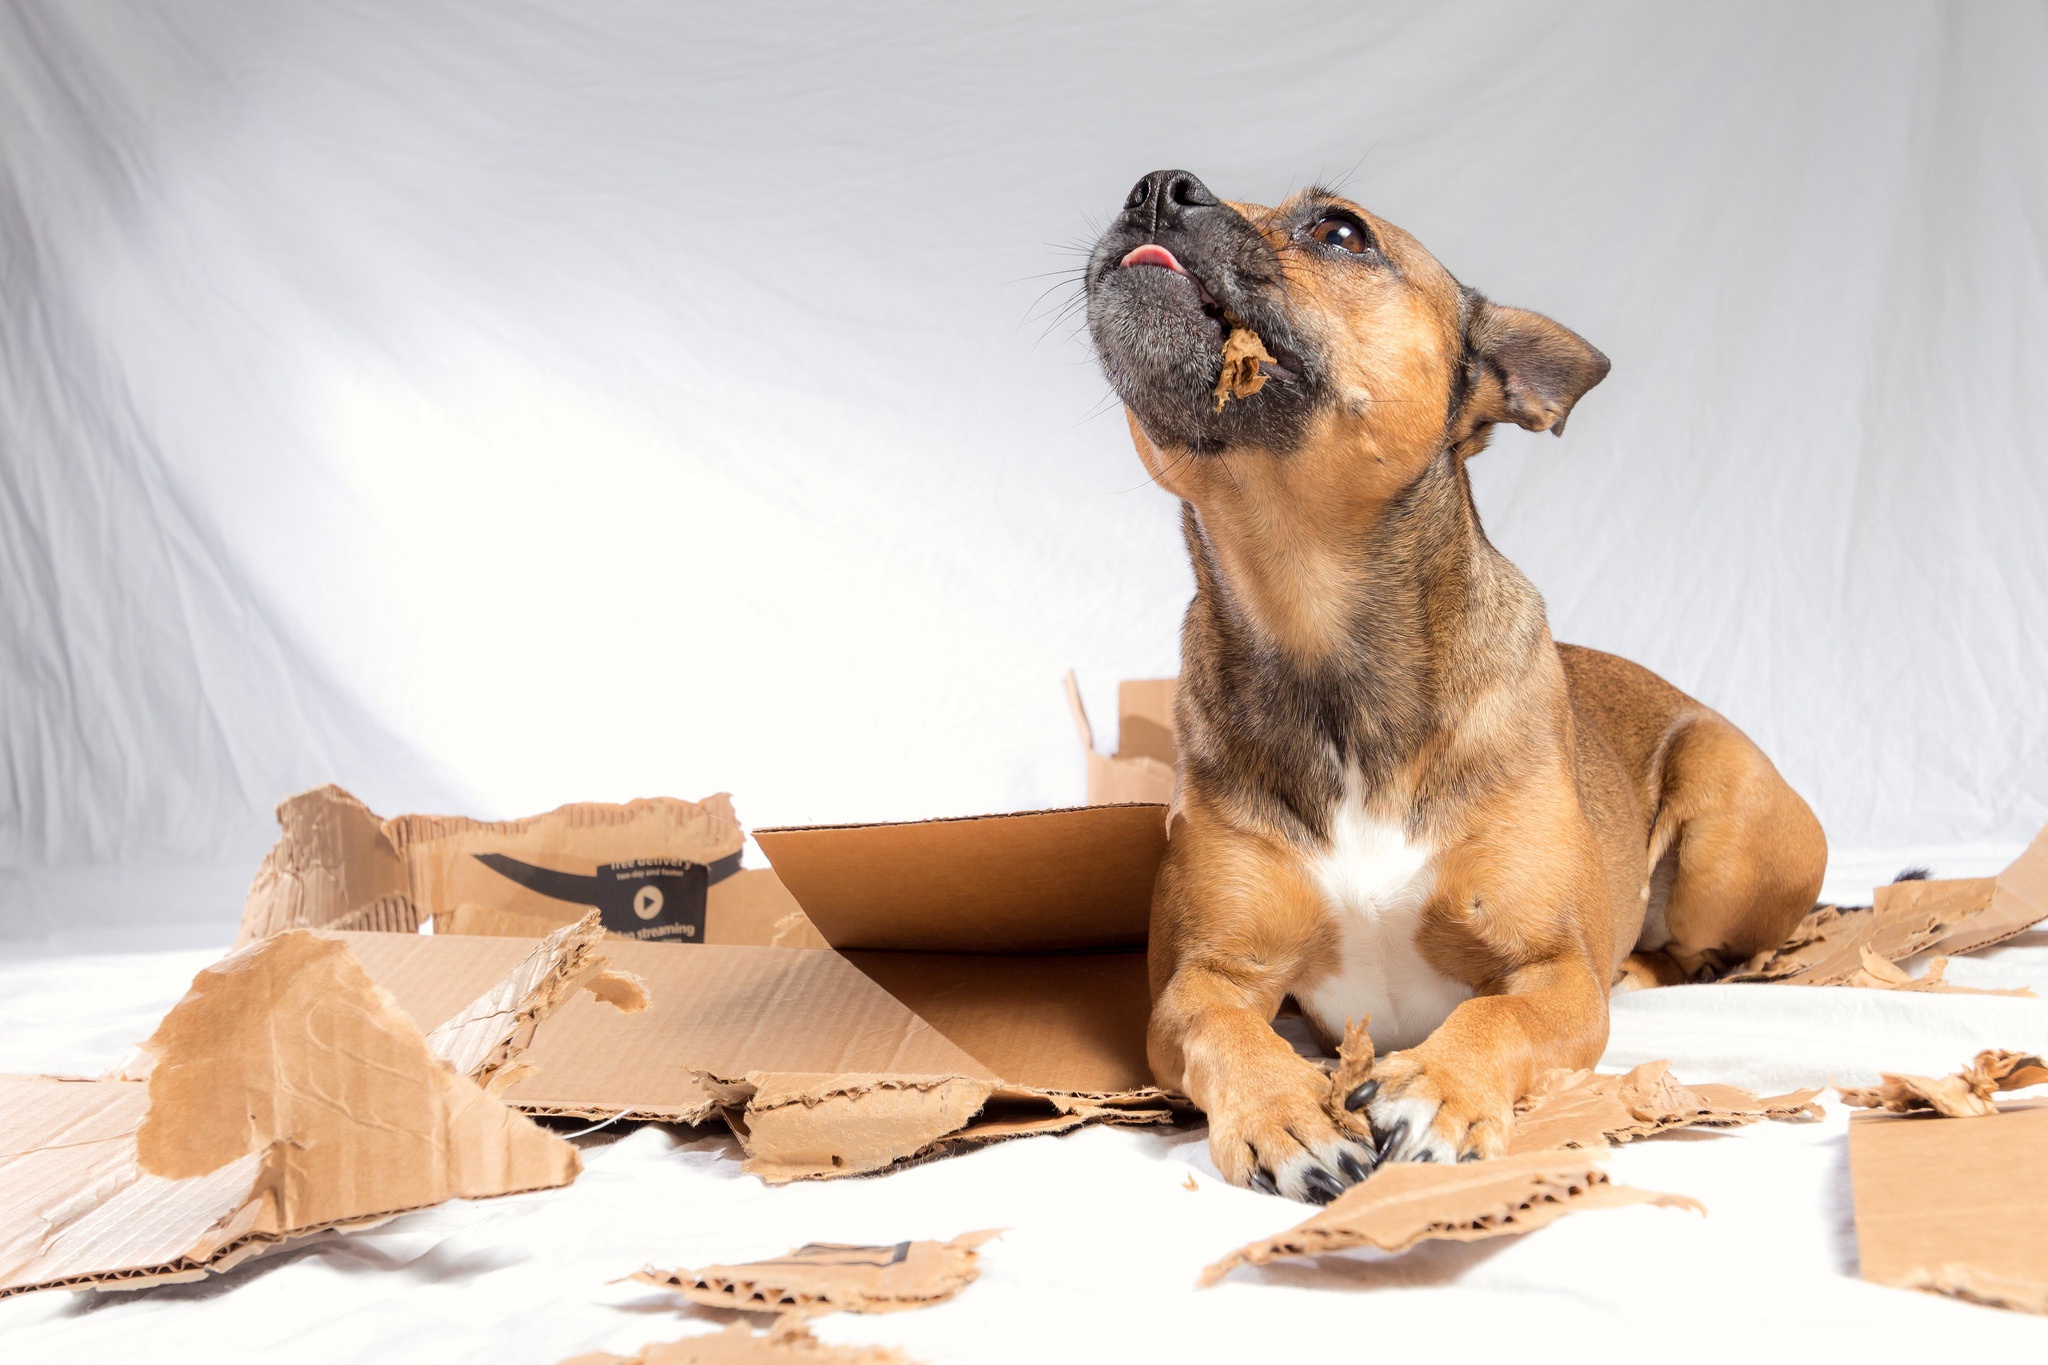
(1375, 347)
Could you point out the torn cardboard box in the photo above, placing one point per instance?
(1878, 974)
(987, 980)
(661, 869)
(828, 1277)
(1828, 947)
(1142, 769)
(787, 1343)
(1955, 1208)
(285, 1094)
(1405, 1203)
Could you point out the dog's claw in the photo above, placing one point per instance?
(1362, 1096)
(1468, 1156)
(1391, 1140)
(1322, 1187)
(1263, 1182)
(1354, 1170)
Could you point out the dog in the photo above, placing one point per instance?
(1397, 796)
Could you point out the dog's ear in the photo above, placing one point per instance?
(1523, 368)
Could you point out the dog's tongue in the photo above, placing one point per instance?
(1153, 254)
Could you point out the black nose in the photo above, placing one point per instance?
(1163, 197)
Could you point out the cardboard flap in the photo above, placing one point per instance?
(1036, 882)
(1073, 1023)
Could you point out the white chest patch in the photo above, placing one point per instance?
(1376, 883)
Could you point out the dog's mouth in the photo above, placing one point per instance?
(1285, 365)
(1167, 287)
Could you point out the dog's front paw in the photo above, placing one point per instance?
(1280, 1139)
(1418, 1116)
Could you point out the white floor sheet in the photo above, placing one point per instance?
(1105, 1241)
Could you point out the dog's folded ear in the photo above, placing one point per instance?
(1523, 368)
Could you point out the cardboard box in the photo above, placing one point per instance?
(986, 975)
(1142, 769)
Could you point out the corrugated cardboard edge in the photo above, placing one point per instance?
(830, 1278)
(1878, 974)
(1404, 1203)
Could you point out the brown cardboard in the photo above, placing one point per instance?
(285, 1094)
(1405, 1203)
(1959, 916)
(1586, 1109)
(787, 1343)
(1955, 1208)
(1967, 1094)
(1142, 769)
(662, 868)
(830, 1277)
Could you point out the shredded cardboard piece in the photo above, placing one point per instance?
(1955, 1208)
(287, 1094)
(480, 1042)
(1878, 974)
(825, 1277)
(1408, 1202)
(796, 1126)
(1243, 353)
(1965, 1095)
(1587, 1109)
(740, 1344)
(332, 862)
(1908, 918)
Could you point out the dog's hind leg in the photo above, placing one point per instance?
(1737, 857)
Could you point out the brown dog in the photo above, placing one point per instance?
(1398, 796)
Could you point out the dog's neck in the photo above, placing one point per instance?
(1331, 583)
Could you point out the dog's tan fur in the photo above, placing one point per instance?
(1558, 788)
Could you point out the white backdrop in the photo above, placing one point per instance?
(487, 406)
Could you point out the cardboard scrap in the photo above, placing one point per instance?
(1243, 353)
(1958, 916)
(286, 1094)
(481, 1041)
(740, 1344)
(1955, 1208)
(1965, 1095)
(1408, 1202)
(1587, 1109)
(1142, 768)
(1878, 974)
(830, 1277)
(660, 869)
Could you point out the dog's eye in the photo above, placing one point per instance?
(1340, 232)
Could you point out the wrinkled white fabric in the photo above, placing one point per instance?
(488, 407)
(1104, 1241)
